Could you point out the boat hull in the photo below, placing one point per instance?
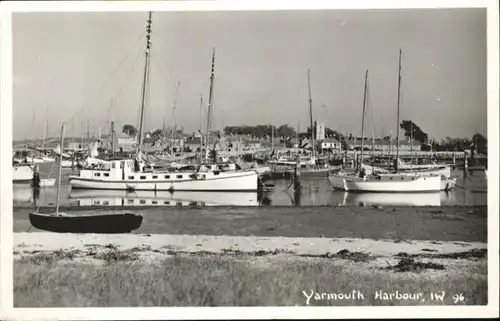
(420, 171)
(67, 163)
(47, 182)
(102, 224)
(226, 181)
(447, 183)
(385, 184)
(441, 171)
(22, 174)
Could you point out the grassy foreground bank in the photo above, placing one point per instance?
(54, 279)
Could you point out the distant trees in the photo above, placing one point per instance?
(477, 144)
(157, 135)
(480, 143)
(260, 130)
(129, 130)
(414, 132)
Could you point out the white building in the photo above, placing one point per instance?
(320, 130)
(331, 144)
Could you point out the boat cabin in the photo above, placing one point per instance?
(113, 169)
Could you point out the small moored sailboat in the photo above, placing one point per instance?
(394, 182)
(92, 223)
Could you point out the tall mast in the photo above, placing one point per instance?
(60, 169)
(272, 137)
(363, 121)
(163, 128)
(399, 94)
(112, 130)
(201, 128)
(210, 99)
(311, 111)
(147, 54)
(173, 110)
(88, 131)
(411, 144)
(297, 133)
(45, 133)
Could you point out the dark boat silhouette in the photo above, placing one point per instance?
(92, 223)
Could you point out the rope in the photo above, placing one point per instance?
(134, 64)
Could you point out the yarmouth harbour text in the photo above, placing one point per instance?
(353, 295)
(357, 295)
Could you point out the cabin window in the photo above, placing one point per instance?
(155, 176)
(167, 176)
(193, 203)
(216, 173)
(391, 178)
(166, 202)
(97, 174)
(131, 177)
(130, 201)
(113, 165)
(105, 203)
(204, 176)
(122, 164)
(154, 202)
(106, 174)
(143, 177)
(142, 202)
(97, 202)
(179, 176)
(402, 178)
(179, 204)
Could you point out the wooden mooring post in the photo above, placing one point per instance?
(297, 186)
(36, 177)
(466, 165)
(296, 176)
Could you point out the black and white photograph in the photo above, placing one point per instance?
(206, 154)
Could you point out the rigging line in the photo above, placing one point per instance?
(80, 110)
(127, 78)
(372, 114)
(164, 62)
(165, 78)
(139, 40)
(165, 92)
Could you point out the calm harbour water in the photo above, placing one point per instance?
(469, 191)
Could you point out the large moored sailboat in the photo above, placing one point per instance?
(130, 174)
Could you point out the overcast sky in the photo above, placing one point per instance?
(75, 67)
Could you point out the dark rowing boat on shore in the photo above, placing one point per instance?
(100, 223)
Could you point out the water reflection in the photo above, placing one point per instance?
(394, 199)
(163, 198)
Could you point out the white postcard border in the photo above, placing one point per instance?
(6, 219)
